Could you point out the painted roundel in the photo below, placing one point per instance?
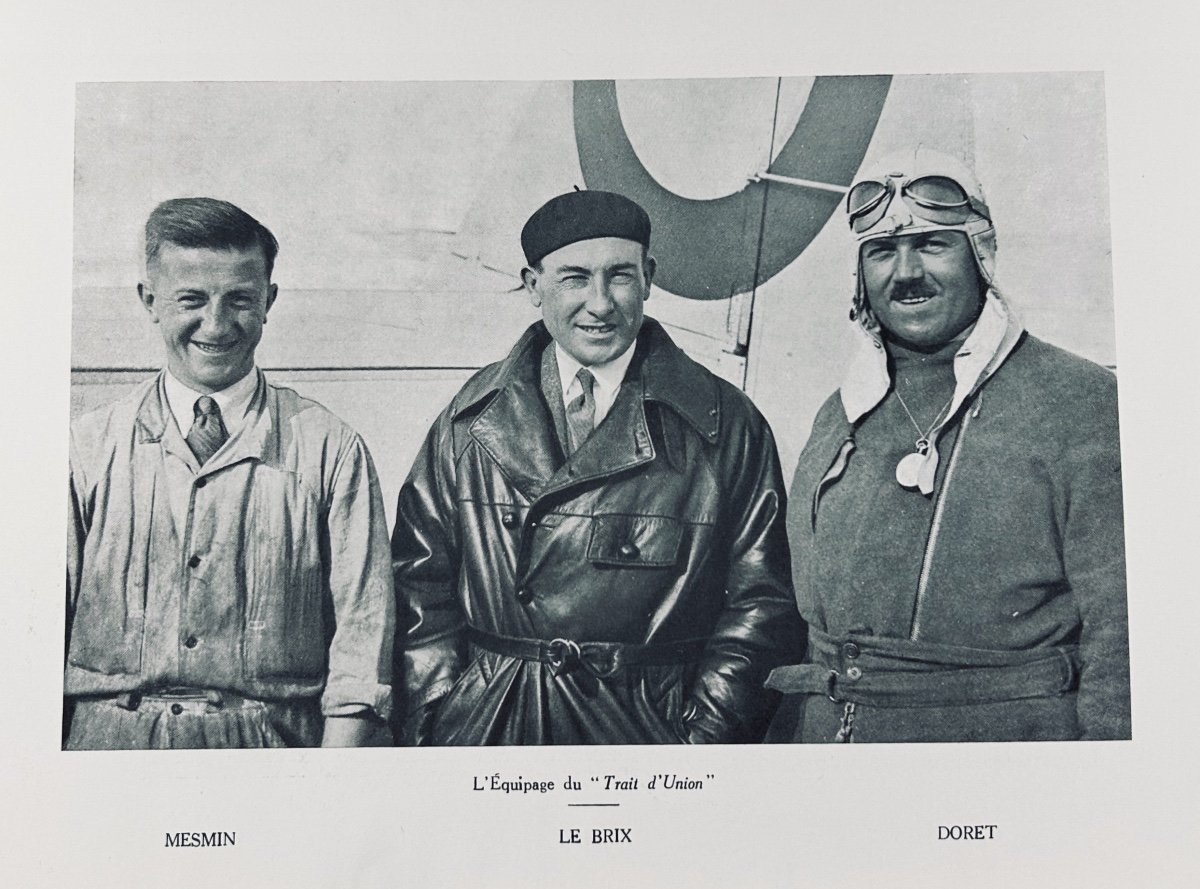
(710, 249)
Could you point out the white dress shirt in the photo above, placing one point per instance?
(234, 401)
(609, 377)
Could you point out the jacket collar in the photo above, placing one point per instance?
(257, 439)
(867, 381)
(515, 427)
(666, 375)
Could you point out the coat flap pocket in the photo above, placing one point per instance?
(634, 541)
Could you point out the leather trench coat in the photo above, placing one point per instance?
(666, 526)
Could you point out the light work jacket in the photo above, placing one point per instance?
(265, 572)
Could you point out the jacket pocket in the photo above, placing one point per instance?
(663, 691)
(285, 587)
(461, 711)
(284, 637)
(110, 614)
(635, 541)
(106, 635)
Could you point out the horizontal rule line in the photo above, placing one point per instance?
(594, 804)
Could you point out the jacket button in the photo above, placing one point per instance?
(190, 642)
(854, 673)
(524, 596)
(629, 551)
(850, 650)
(201, 482)
(509, 520)
(177, 709)
(194, 562)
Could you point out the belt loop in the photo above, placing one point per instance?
(1070, 670)
(130, 700)
(830, 681)
(589, 659)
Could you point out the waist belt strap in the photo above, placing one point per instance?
(601, 659)
(194, 699)
(899, 673)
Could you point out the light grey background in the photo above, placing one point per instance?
(398, 208)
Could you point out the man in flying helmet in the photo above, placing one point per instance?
(955, 520)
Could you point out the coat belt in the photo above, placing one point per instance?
(601, 659)
(884, 672)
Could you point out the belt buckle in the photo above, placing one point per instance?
(563, 655)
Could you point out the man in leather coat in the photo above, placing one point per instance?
(590, 547)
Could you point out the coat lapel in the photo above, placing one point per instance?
(620, 442)
(255, 440)
(155, 425)
(516, 426)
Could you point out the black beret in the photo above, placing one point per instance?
(580, 216)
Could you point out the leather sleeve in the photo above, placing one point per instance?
(760, 627)
(430, 624)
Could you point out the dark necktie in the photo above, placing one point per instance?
(208, 430)
(581, 410)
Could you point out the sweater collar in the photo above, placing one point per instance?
(867, 381)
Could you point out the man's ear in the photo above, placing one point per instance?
(649, 265)
(529, 278)
(272, 292)
(146, 297)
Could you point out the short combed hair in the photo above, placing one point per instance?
(207, 223)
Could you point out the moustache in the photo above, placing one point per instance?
(910, 290)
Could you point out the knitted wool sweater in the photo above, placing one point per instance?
(1018, 546)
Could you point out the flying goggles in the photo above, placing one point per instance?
(936, 199)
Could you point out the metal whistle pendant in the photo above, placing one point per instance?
(908, 470)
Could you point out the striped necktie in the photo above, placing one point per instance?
(208, 430)
(581, 410)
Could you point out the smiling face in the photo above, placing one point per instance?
(210, 306)
(591, 294)
(924, 289)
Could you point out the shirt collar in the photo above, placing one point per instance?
(233, 400)
(609, 375)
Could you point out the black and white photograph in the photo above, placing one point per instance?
(593, 539)
(745, 472)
